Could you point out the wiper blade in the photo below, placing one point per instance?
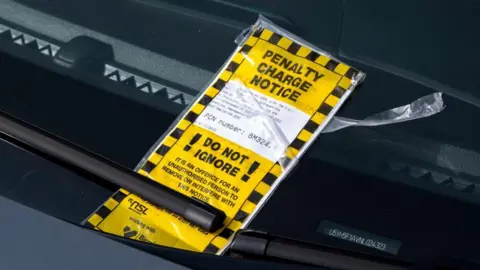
(204, 215)
(263, 245)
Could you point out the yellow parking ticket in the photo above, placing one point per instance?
(237, 141)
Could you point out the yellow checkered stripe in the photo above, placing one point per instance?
(306, 53)
(103, 211)
(247, 208)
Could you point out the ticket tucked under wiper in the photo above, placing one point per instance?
(240, 138)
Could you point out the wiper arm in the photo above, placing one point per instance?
(263, 245)
(196, 211)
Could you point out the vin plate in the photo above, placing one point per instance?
(359, 237)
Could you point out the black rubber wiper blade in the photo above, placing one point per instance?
(199, 213)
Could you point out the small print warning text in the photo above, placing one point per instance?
(201, 184)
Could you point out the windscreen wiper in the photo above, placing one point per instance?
(204, 215)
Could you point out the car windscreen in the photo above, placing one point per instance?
(164, 52)
(176, 46)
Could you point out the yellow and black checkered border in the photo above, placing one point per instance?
(107, 207)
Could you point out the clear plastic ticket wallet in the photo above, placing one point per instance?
(237, 141)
